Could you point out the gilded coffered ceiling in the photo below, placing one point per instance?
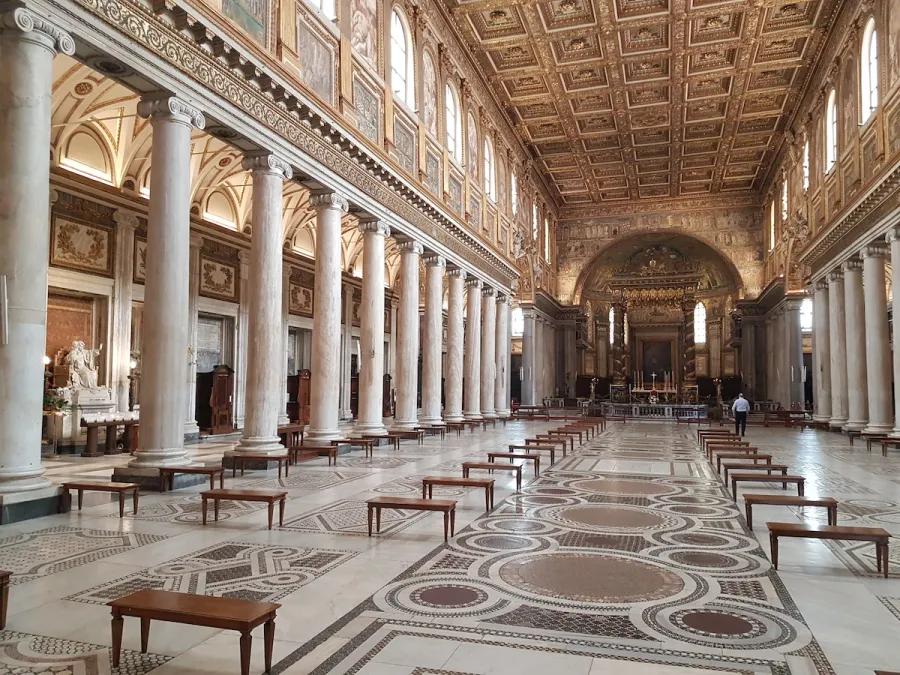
(648, 99)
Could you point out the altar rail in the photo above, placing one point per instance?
(658, 410)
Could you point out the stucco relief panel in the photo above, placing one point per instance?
(80, 246)
(368, 111)
(300, 297)
(217, 280)
(140, 260)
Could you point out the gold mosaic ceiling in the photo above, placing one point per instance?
(648, 99)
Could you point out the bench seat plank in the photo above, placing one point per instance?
(428, 483)
(270, 497)
(754, 478)
(751, 500)
(446, 506)
(879, 536)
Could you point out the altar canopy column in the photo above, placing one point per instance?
(28, 43)
(857, 386)
(408, 336)
(688, 363)
(371, 332)
(837, 356)
(821, 353)
(618, 346)
(528, 356)
(472, 355)
(455, 328)
(488, 352)
(794, 372)
(126, 223)
(265, 349)
(326, 337)
(501, 367)
(167, 317)
(433, 339)
(878, 346)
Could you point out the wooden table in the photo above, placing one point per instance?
(487, 483)
(242, 459)
(195, 610)
(267, 496)
(751, 500)
(4, 596)
(445, 506)
(96, 486)
(167, 475)
(736, 478)
(493, 466)
(877, 535)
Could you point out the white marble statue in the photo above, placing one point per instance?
(83, 368)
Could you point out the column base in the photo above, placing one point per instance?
(33, 503)
(432, 421)
(473, 415)
(283, 420)
(453, 417)
(505, 413)
(837, 422)
(270, 445)
(489, 415)
(821, 418)
(321, 438)
(878, 429)
(153, 459)
(895, 433)
(191, 430)
(25, 479)
(371, 428)
(855, 426)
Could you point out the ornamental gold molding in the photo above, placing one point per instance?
(209, 61)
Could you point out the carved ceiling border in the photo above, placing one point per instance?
(310, 132)
(736, 201)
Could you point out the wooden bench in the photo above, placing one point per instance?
(888, 442)
(96, 486)
(736, 478)
(291, 434)
(741, 455)
(195, 610)
(242, 460)
(589, 429)
(416, 434)
(712, 432)
(769, 468)
(877, 439)
(877, 535)
(267, 496)
(487, 483)
(4, 596)
(518, 455)
(716, 452)
(455, 426)
(434, 429)
(568, 431)
(367, 444)
(445, 506)
(549, 441)
(751, 500)
(562, 440)
(392, 437)
(93, 436)
(528, 448)
(727, 447)
(853, 433)
(167, 475)
(493, 466)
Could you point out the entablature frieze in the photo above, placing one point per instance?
(240, 93)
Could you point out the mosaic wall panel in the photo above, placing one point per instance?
(455, 190)
(368, 111)
(405, 144)
(317, 60)
(364, 29)
(81, 246)
(251, 15)
(475, 211)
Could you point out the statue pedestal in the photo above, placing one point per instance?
(84, 402)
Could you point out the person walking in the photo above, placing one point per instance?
(740, 407)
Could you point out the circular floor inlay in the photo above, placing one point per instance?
(698, 539)
(703, 559)
(539, 499)
(519, 526)
(694, 510)
(610, 516)
(591, 578)
(504, 543)
(448, 596)
(625, 487)
(717, 623)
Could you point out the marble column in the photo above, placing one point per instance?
(285, 328)
(893, 238)
(242, 347)
(488, 352)
(821, 353)
(455, 340)
(689, 349)
(529, 331)
(857, 386)
(771, 362)
(878, 345)
(166, 342)
(501, 383)
(191, 428)
(433, 339)
(346, 351)
(618, 347)
(28, 43)
(326, 337)
(837, 356)
(408, 336)
(794, 342)
(472, 355)
(266, 347)
(371, 330)
(126, 223)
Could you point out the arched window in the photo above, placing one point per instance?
(517, 322)
(806, 165)
(625, 327)
(772, 225)
(806, 315)
(700, 324)
(401, 60)
(514, 193)
(547, 240)
(831, 123)
(453, 121)
(612, 325)
(869, 71)
(327, 7)
(534, 221)
(784, 198)
(489, 182)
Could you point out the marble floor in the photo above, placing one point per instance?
(626, 557)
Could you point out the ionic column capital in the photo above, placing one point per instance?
(835, 275)
(36, 29)
(893, 235)
(267, 163)
(410, 246)
(126, 220)
(435, 260)
(196, 240)
(875, 251)
(170, 108)
(473, 282)
(488, 292)
(324, 201)
(376, 227)
(821, 285)
(852, 265)
(457, 273)
(502, 299)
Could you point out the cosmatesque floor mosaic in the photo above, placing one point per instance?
(627, 557)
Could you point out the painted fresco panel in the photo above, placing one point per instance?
(364, 29)
(317, 61)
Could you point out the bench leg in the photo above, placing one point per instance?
(269, 633)
(424, 490)
(773, 545)
(748, 509)
(134, 499)
(431, 492)
(204, 507)
(800, 489)
(212, 481)
(452, 521)
(537, 467)
(832, 515)
(271, 513)
(121, 505)
(492, 495)
(734, 490)
(117, 622)
(447, 525)
(66, 500)
(80, 499)
(884, 558)
(216, 509)
(378, 519)
(246, 642)
(281, 505)
(487, 498)
(878, 556)
(162, 482)
(145, 634)
(370, 519)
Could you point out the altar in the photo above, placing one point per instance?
(654, 410)
(659, 389)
